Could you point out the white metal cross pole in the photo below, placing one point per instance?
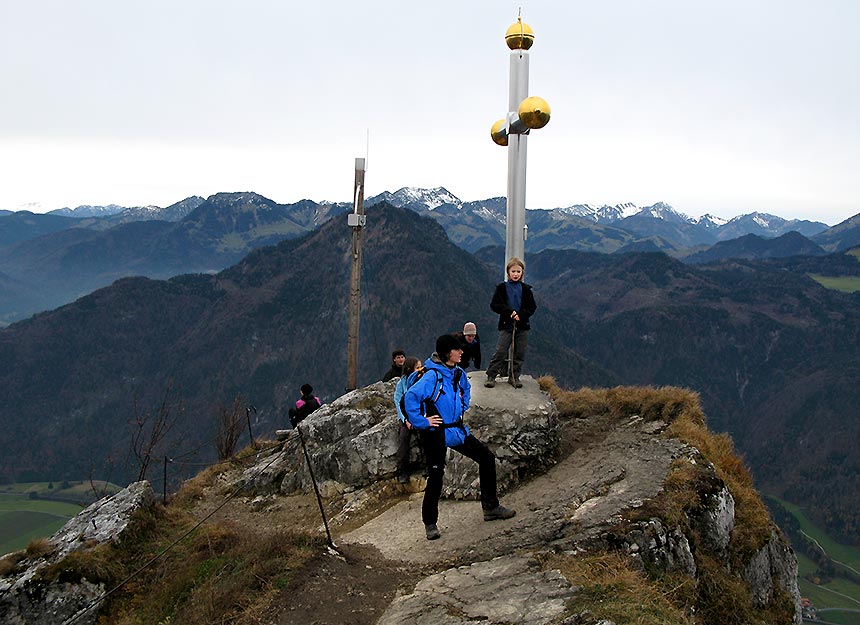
(356, 220)
(517, 144)
(524, 114)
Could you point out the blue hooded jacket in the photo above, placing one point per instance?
(437, 384)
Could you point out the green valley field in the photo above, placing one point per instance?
(26, 513)
(836, 597)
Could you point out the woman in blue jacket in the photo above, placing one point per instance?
(435, 405)
(410, 366)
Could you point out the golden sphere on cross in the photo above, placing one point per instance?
(499, 133)
(534, 112)
(520, 36)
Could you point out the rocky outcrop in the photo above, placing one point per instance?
(27, 598)
(582, 487)
(508, 589)
(773, 568)
(352, 443)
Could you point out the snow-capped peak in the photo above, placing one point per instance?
(410, 196)
(431, 198)
(664, 211)
(710, 221)
(87, 210)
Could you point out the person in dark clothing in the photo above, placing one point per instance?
(410, 366)
(471, 343)
(398, 356)
(514, 302)
(305, 405)
(435, 405)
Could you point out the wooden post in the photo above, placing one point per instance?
(356, 221)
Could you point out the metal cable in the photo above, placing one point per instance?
(163, 552)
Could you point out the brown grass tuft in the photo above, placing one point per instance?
(9, 562)
(685, 485)
(40, 548)
(667, 403)
(611, 587)
(195, 489)
(218, 573)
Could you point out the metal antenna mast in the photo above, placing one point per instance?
(356, 220)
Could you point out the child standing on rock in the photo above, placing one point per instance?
(514, 302)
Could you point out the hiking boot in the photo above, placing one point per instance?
(403, 478)
(497, 513)
(516, 382)
(432, 532)
(490, 383)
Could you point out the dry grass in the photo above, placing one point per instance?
(610, 588)
(9, 562)
(40, 548)
(173, 573)
(752, 520)
(666, 403)
(206, 483)
(220, 574)
(721, 597)
(196, 488)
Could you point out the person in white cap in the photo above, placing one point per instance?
(471, 343)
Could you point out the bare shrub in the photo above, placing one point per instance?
(229, 428)
(150, 428)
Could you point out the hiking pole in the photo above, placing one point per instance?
(248, 416)
(511, 357)
(316, 488)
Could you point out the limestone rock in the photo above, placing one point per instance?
(352, 442)
(26, 599)
(103, 521)
(509, 589)
(773, 565)
(669, 550)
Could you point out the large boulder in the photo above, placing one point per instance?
(28, 598)
(352, 442)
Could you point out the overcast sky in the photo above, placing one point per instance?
(721, 108)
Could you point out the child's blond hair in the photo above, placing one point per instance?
(514, 262)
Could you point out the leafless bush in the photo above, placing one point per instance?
(150, 428)
(229, 429)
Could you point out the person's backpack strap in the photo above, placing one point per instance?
(410, 381)
(428, 405)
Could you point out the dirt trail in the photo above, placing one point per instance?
(608, 465)
(621, 465)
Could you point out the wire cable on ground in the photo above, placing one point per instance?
(164, 551)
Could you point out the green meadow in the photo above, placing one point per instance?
(846, 284)
(839, 593)
(26, 513)
(23, 519)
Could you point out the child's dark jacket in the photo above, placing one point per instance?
(500, 306)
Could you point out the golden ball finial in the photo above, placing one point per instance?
(499, 133)
(534, 112)
(520, 36)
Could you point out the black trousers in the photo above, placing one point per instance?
(433, 443)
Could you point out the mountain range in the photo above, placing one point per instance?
(51, 259)
(772, 353)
